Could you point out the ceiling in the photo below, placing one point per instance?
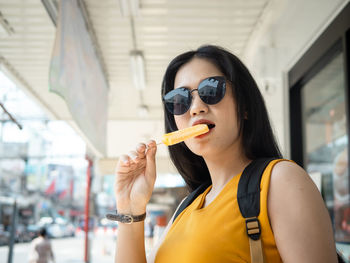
(161, 30)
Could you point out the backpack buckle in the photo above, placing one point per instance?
(253, 228)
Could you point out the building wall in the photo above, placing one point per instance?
(294, 27)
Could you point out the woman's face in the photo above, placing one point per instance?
(224, 136)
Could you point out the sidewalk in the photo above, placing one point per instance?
(71, 250)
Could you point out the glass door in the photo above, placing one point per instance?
(325, 140)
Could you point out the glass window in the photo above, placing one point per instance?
(326, 140)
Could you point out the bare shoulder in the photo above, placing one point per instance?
(291, 188)
(288, 169)
(298, 216)
(289, 176)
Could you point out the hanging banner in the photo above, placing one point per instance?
(76, 75)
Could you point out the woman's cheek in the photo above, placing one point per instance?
(180, 122)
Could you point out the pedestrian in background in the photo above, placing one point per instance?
(41, 249)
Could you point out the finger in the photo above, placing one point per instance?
(151, 144)
(141, 150)
(132, 170)
(138, 169)
(150, 156)
(124, 169)
(123, 165)
(124, 160)
(134, 156)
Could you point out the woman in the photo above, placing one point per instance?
(295, 224)
(41, 249)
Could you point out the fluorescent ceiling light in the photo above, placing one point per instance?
(138, 69)
(5, 25)
(129, 7)
(51, 7)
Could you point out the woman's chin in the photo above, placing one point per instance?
(202, 150)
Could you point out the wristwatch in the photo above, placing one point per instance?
(127, 219)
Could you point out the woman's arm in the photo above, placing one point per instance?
(130, 243)
(134, 183)
(298, 216)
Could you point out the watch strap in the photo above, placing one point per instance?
(125, 218)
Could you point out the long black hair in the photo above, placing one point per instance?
(254, 124)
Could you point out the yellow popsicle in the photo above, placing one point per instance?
(184, 134)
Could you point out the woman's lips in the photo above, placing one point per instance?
(203, 121)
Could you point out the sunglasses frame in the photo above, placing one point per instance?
(219, 78)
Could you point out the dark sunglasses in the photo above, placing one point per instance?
(210, 90)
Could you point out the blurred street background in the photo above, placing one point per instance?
(80, 85)
(68, 250)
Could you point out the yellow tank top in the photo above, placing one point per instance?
(217, 233)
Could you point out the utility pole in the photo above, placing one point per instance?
(12, 233)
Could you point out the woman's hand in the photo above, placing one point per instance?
(135, 178)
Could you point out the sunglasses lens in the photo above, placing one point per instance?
(212, 90)
(178, 101)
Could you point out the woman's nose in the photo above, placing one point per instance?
(197, 106)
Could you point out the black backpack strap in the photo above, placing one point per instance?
(248, 197)
(191, 197)
(248, 193)
(340, 258)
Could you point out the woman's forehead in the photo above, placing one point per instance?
(195, 71)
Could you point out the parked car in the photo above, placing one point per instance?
(57, 227)
(60, 227)
(69, 230)
(55, 230)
